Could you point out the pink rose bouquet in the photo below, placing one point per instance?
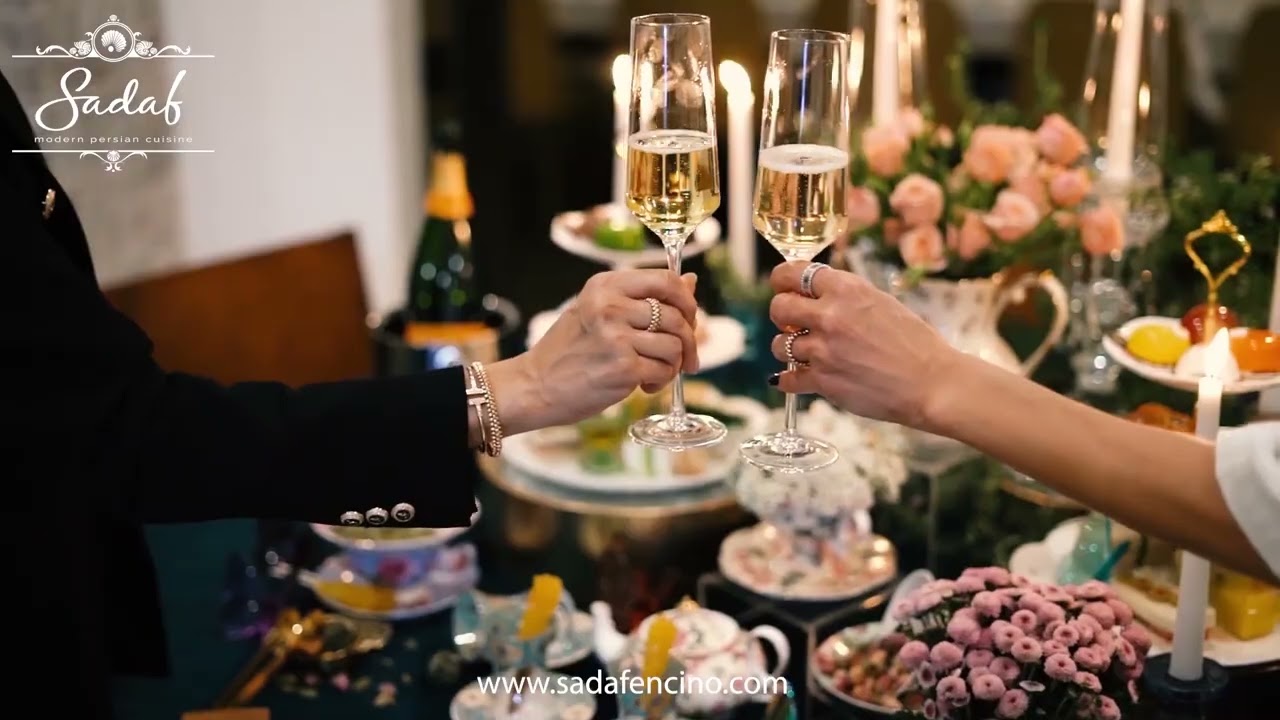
(970, 203)
(991, 644)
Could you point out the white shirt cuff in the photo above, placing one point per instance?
(1248, 467)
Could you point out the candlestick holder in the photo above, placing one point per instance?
(1175, 699)
(1219, 224)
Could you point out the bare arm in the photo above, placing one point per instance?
(871, 356)
(1156, 481)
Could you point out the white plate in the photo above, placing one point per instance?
(565, 236)
(1040, 561)
(1164, 374)
(725, 339)
(526, 453)
(446, 594)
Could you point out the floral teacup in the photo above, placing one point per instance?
(487, 627)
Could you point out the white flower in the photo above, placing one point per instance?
(871, 464)
(873, 450)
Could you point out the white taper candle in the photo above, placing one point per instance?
(1187, 659)
(1123, 116)
(1269, 400)
(884, 98)
(621, 126)
(742, 138)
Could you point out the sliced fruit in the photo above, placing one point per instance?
(1159, 344)
(1257, 351)
(1201, 322)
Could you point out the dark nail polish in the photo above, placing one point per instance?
(775, 378)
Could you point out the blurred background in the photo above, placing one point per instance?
(319, 112)
(322, 116)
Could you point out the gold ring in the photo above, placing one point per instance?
(791, 346)
(655, 315)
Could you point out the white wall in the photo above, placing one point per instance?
(313, 109)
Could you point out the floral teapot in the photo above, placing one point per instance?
(723, 664)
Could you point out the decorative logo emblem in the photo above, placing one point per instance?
(113, 41)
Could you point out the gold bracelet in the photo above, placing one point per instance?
(477, 397)
(493, 445)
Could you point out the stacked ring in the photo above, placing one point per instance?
(791, 346)
(655, 315)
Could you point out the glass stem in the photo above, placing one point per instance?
(675, 250)
(790, 407)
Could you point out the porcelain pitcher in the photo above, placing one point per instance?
(967, 312)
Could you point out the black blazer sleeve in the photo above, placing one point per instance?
(80, 390)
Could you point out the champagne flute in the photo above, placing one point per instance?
(800, 185)
(673, 179)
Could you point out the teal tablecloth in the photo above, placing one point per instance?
(189, 563)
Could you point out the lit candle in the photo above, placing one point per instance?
(1269, 400)
(742, 236)
(621, 125)
(1122, 119)
(1187, 660)
(884, 98)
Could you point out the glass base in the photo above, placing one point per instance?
(788, 453)
(678, 432)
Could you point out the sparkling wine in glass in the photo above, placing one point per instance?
(800, 185)
(673, 178)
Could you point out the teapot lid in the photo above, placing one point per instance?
(699, 631)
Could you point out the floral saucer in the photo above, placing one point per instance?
(474, 703)
(764, 560)
(456, 572)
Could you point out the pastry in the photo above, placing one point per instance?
(1163, 416)
(1152, 592)
(1247, 608)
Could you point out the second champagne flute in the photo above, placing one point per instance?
(673, 179)
(800, 185)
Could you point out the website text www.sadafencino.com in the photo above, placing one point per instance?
(627, 683)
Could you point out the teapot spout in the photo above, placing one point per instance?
(609, 643)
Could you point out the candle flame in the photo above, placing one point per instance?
(734, 79)
(1218, 355)
(621, 73)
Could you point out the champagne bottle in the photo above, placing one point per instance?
(443, 298)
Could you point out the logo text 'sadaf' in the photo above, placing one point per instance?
(127, 103)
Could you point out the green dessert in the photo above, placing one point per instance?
(619, 234)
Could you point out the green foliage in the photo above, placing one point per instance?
(1248, 192)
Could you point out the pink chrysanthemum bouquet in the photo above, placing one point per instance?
(995, 645)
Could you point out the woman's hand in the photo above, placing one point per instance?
(866, 352)
(599, 350)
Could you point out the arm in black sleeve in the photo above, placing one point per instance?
(80, 382)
